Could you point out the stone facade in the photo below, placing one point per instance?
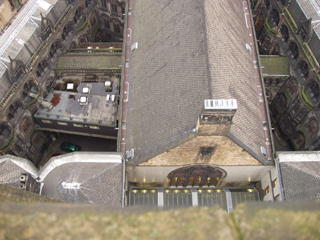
(282, 28)
(65, 26)
(224, 152)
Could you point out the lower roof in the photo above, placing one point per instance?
(99, 183)
(97, 177)
(300, 175)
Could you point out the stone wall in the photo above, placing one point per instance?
(224, 152)
(250, 221)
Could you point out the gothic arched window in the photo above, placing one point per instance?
(196, 176)
(312, 126)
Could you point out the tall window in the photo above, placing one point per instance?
(106, 23)
(196, 176)
(301, 114)
(104, 3)
(313, 90)
(282, 101)
(299, 140)
(275, 182)
(117, 28)
(114, 8)
(312, 126)
(285, 33)
(296, 107)
(25, 125)
(292, 87)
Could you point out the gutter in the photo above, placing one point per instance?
(123, 182)
(261, 89)
(125, 86)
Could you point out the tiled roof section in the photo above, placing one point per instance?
(10, 173)
(168, 75)
(100, 183)
(232, 73)
(89, 61)
(189, 51)
(274, 65)
(301, 180)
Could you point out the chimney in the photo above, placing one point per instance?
(216, 117)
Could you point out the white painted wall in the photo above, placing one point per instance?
(149, 174)
(265, 182)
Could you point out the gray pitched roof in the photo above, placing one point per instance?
(12, 167)
(300, 180)
(10, 173)
(100, 183)
(189, 51)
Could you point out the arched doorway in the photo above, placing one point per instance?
(196, 176)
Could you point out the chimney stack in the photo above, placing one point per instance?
(216, 117)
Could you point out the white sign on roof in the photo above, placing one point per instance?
(220, 104)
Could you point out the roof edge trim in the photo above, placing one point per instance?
(75, 157)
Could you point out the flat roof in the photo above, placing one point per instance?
(90, 60)
(97, 108)
(275, 65)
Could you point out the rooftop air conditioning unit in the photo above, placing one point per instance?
(70, 86)
(86, 90)
(83, 101)
(107, 84)
(22, 186)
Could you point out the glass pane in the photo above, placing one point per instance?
(212, 197)
(245, 195)
(143, 198)
(177, 198)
